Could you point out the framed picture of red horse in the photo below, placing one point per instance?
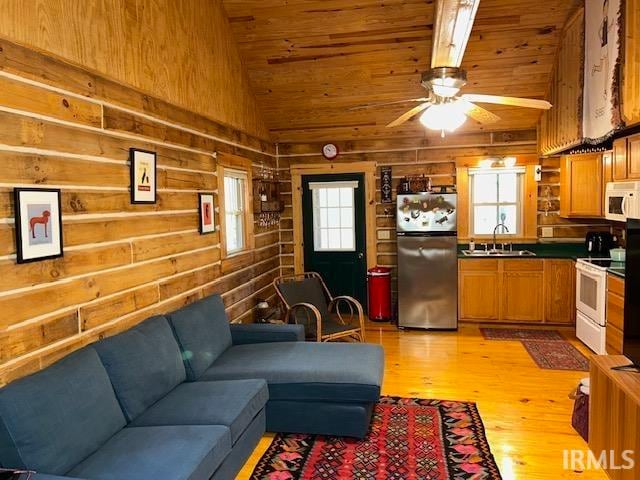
(38, 217)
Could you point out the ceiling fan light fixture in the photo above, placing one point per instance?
(446, 117)
(445, 82)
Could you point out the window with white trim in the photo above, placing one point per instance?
(496, 199)
(333, 216)
(235, 184)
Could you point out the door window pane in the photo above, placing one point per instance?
(333, 218)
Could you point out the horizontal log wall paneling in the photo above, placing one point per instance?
(182, 52)
(435, 158)
(122, 262)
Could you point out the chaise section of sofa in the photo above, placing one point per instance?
(321, 388)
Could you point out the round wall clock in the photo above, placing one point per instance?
(330, 151)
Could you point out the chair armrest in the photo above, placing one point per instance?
(244, 333)
(349, 300)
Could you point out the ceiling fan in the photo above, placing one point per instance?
(444, 108)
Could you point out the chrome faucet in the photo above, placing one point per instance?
(504, 227)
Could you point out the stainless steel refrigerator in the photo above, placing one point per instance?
(427, 261)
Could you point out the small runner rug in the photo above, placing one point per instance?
(556, 355)
(409, 438)
(520, 334)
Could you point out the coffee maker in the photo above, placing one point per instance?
(598, 244)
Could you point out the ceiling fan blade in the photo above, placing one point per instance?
(511, 101)
(452, 26)
(408, 115)
(374, 105)
(479, 114)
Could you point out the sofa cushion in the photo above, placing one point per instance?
(144, 364)
(191, 452)
(202, 330)
(55, 418)
(233, 403)
(43, 476)
(306, 371)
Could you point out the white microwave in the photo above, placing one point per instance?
(622, 201)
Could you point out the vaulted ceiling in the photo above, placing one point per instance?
(311, 61)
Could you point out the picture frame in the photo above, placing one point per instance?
(206, 213)
(386, 184)
(143, 176)
(38, 224)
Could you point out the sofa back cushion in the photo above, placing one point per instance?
(144, 364)
(54, 419)
(203, 332)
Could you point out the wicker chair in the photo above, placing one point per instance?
(309, 302)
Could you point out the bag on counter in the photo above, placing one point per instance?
(580, 418)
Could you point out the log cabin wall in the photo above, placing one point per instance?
(434, 157)
(66, 127)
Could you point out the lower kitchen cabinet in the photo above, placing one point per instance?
(559, 291)
(517, 290)
(481, 277)
(522, 290)
(615, 315)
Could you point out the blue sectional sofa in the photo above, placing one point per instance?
(186, 396)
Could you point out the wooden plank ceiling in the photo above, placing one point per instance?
(310, 61)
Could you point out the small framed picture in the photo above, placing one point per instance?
(207, 224)
(38, 224)
(143, 176)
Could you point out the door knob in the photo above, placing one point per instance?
(360, 255)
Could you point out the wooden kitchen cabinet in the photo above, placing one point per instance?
(581, 186)
(522, 290)
(626, 158)
(507, 290)
(478, 289)
(559, 291)
(619, 159)
(615, 314)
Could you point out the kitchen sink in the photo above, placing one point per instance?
(498, 253)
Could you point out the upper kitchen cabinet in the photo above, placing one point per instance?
(561, 127)
(581, 186)
(626, 158)
(630, 88)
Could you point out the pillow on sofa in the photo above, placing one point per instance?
(203, 332)
(54, 419)
(144, 364)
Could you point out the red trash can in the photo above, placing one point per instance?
(379, 280)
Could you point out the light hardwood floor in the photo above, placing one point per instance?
(526, 410)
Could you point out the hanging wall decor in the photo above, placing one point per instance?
(601, 109)
(207, 224)
(38, 217)
(386, 187)
(143, 176)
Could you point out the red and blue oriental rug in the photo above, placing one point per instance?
(412, 439)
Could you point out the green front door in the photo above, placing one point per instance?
(333, 211)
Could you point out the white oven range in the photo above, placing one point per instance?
(591, 299)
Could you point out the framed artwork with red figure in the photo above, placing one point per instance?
(143, 176)
(207, 224)
(38, 216)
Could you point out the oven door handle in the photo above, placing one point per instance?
(623, 207)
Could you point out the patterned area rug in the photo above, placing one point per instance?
(520, 334)
(409, 439)
(556, 355)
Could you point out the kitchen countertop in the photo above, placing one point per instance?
(617, 269)
(570, 251)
